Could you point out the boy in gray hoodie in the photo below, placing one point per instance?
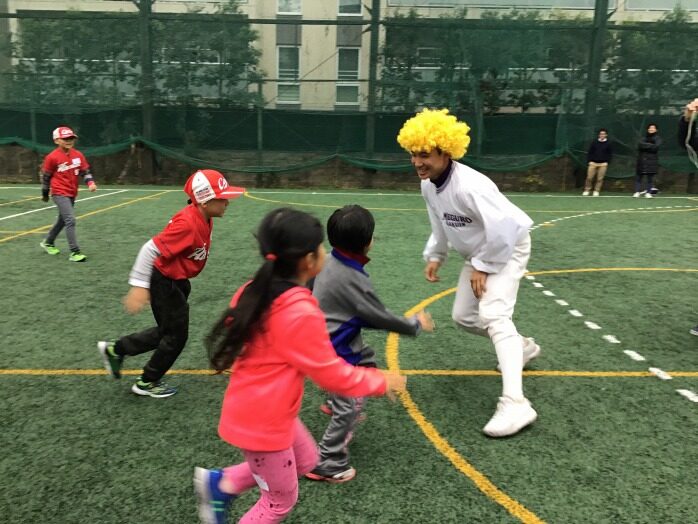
(347, 299)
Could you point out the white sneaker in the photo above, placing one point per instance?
(647, 195)
(530, 351)
(636, 194)
(596, 193)
(510, 418)
(585, 193)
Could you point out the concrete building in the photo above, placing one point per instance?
(326, 66)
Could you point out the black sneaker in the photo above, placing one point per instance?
(157, 389)
(338, 477)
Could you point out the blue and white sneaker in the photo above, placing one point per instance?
(213, 503)
(694, 331)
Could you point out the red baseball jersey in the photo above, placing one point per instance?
(64, 169)
(184, 244)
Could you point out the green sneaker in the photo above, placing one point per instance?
(112, 361)
(157, 389)
(76, 256)
(49, 248)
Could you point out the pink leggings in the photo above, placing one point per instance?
(276, 473)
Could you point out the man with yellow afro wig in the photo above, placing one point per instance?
(468, 213)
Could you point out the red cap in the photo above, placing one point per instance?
(63, 132)
(207, 184)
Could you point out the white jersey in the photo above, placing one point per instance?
(470, 214)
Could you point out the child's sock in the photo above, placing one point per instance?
(510, 356)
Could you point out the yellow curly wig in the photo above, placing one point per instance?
(435, 128)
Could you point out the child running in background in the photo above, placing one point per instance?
(347, 298)
(59, 177)
(273, 336)
(161, 276)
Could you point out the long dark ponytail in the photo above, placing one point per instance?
(285, 236)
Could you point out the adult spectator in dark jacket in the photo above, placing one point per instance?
(647, 160)
(598, 158)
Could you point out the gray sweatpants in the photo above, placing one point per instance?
(66, 218)
(334, 446)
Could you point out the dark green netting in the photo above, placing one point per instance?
(532, 85)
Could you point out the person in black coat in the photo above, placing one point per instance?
(598, 158)
(647, 160)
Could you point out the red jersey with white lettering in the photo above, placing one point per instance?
(184, 244)
(64, 169)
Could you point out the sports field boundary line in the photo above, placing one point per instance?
(410, 372)
(54, 207)
(412, 193)
(105, 187)
(482, 483)
(95, 212)
(26, 199)
(487, 487)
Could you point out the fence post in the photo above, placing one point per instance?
(145, 9)
(260, 123)
(372, 74)
(598, 38)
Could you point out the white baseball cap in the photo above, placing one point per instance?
(207, 184)
(63, 132)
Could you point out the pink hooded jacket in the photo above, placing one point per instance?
(265, 391)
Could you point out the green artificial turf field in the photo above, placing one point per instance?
(614, 441)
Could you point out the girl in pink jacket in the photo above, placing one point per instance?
(273, 336)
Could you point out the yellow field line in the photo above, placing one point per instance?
(486, 486)
(593, 269)
(482, 483)
(44, 228)
(328, 206)
(18, 201)
(101, 371)
(335, 206)
(547, 373)
(411, 372)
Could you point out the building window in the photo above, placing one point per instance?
(347, 94)
(347, 75)
(288, 74)
(347, 63)
(427, 57)
(349, 7)
(288, 7)
(288, 94)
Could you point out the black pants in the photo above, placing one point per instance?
(168, 300)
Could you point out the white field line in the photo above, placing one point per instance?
(54, 207)
(660, 374)
(410, 193)
(37, 187)
(634, 355)
(690, 395)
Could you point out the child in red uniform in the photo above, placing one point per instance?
(161, 276)
(274, 335)
(59, 175)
